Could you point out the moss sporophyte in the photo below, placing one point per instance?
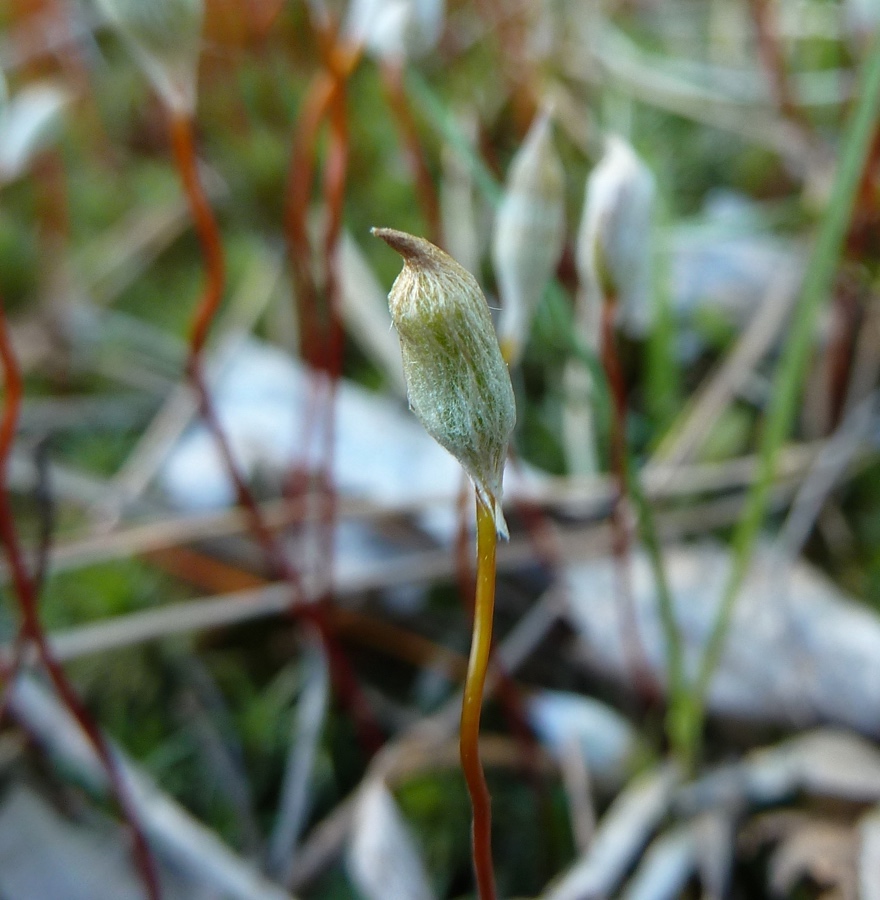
(457, 381)
(459, 388)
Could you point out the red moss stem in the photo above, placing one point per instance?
(621, 533)
(183, 148)
(770, 50)
(472, 704)
(429, 201)
(31, 627)
(212, 250)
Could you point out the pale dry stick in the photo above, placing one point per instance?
(226, 610)
(308, 726)
(866, 356)
(638, 74)
(72, 485)
(127, 370)
(828, 468)
(573, 117)
(194, 616)
(120, 255)
(365, 311)
(181, 407)
(203, 714)
(181, 838)
(578, 792)
(581, 496)
(31, 634)
(693, 426)
(624, 830)
(327, 839)
(587, 496)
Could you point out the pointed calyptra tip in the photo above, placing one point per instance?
(458, 384)
(413, 249)
(397, 240)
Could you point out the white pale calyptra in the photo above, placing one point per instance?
(165, 38)
(457, 382)
(529, 233)
(396, 30)
(613, 251)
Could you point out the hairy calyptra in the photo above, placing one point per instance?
(529, 234)
(457, 382)
(613, 249)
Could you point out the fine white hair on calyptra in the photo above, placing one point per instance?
(458, 384)
(529, 233)
(613, 250)
(164, 36)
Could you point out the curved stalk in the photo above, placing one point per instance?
(395, 94)
(472, 704)
(182, 133)
(31, 627)
(621, 537)
(183, 147)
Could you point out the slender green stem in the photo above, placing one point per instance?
(472, 704)
(675, 676)
(784, 395)
(621, 538)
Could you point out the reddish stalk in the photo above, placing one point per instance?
(212, 249)
(472, 704)
(322, 97)
(773, 59)
(300, 174)
(464, 575)
(183, 148)
(395, 94)
(322, 348)
(621, 533)
(335, 175)
(508, 692)
(31, 627)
